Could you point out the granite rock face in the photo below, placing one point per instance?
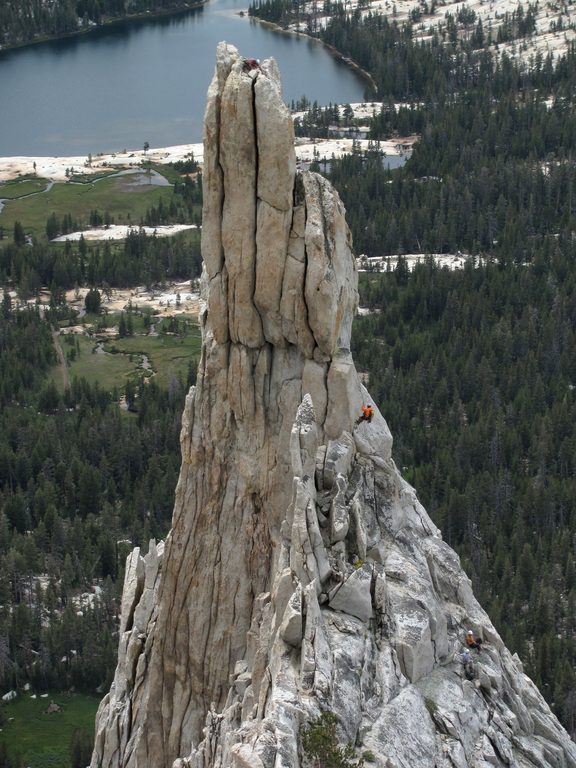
(301, 573)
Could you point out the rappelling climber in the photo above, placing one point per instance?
(473, 642)
(367, 413)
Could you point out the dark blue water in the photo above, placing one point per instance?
(121, 86)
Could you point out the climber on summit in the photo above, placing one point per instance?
(250, 64)
(367, 413)
(473, 642)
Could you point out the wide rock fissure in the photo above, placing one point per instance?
(301, 573)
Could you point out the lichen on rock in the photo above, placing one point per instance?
(301, 574)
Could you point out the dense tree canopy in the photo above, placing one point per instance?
(475, 371)
(81, 482)
(139, 259)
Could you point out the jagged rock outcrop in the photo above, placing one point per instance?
(301, 573)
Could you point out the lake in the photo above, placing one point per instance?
(146, 81)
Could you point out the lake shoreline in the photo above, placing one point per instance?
(20, 167)
(147, 73)
(103, 25)
(334, 52)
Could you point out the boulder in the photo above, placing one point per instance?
(353, 596)
(10, 696)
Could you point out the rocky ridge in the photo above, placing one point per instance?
(301, 574)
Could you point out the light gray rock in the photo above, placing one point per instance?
(330, 291)
(353, 596)
(244, 756)
(405, 732)
(284, 588)
(238, 159)
(413, 638)
(293, 307)
(344, 401)
(301, 574)
(357, 527)
(291, 627)
(314, 384)
(275, 192)
(134, 575)
(338, 459)
(339, 517)
(272, 235)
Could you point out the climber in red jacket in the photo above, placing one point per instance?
(251, 64)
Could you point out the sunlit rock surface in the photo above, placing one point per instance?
(301, 573)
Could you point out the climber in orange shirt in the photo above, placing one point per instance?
(367, 413)
(473, 642)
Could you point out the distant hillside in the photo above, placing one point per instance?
(523, 30)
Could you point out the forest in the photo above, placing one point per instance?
(88, 469)
(80, 482)
(25, 21)
(475, 372)
(139, 259)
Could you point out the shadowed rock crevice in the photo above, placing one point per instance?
(301, 573)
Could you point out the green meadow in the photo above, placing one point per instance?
(168, 355)
(126, 201)
(14, 189)
(43, 740)
(112, 362)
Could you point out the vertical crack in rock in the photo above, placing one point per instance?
(257, 200)
(301, 573)
(276, 171)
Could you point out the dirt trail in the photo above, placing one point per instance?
(61, 359)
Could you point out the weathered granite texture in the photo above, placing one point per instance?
(301, 573)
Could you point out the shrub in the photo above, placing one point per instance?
(320, 742)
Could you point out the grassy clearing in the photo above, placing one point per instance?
(121, 359)
(14, 189)
(43, 740)
(127, 204)
(108, 370)
(169, 356)
(90, 178)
